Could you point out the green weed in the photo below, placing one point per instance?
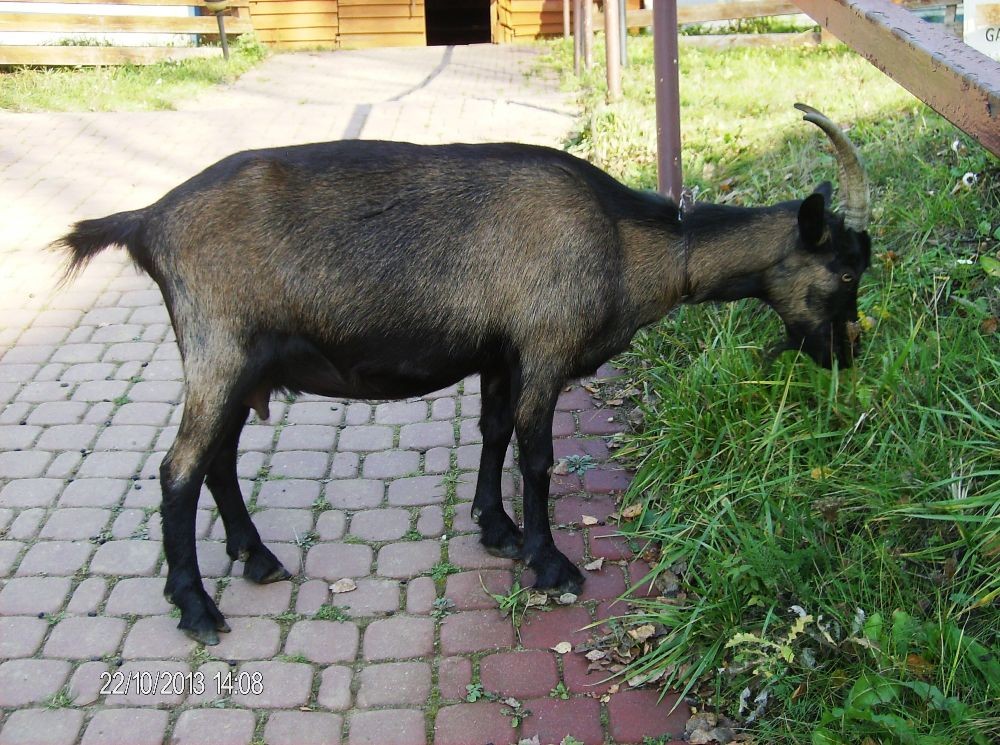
(442, 569)
(329, 612)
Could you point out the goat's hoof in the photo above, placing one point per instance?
(203, 621)
(264, 568)
(502, 538)
(506, 551)
(208, 637)
(556, 575)
(277, 575)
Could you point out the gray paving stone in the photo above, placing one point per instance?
(42, 727)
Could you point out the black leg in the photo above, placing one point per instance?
(181, 475)
(500, 535)
(243, 542)
(533, 420)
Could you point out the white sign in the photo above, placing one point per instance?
(982, 26)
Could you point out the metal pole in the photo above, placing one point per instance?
(623, 30)
(577, 36)
(222, 34)
(588, 33)
(612, 48)
(668, 109)
(566, 19)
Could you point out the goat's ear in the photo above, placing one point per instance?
(826, 189)
(812, 221)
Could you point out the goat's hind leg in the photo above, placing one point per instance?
(243, 542)
(208, 407)
(500, 535)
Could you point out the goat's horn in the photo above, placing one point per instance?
(854, 180)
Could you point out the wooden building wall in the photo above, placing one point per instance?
(354, 24)
(532, 19)
(296, 24)
(382, 23)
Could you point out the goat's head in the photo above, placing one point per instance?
(814, 288)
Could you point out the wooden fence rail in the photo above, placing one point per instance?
(237, 21)
(738, 9)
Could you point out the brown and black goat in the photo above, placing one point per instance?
(382, 270)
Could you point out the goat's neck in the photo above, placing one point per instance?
(728, 250)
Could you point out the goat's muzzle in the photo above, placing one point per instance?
(823, 343)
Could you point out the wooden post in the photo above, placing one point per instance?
(623, 30)
(566, 19)
(577, 36)
(588, 34)
(612, 48)
(668, 106)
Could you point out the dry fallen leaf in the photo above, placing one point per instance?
(595, 565)
(562, 648)
(343, 585)
(642, 633)
(990, 325)
(567, 598)
(589, 520)
(561, 468)
(595, 654)
(537, 599)
(632, 511)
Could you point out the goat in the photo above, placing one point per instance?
(385, 270)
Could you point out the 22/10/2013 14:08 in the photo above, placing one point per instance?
(166, 683)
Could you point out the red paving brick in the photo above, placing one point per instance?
(552, 719)
(476, 631)
(634, 715)
(519, 674)
(481, 722)
(545, 629)
(341, 489)
(396, 726)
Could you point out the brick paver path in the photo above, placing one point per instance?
(379, 492)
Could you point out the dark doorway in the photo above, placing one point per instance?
(457, 21)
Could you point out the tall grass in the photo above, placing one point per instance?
(836, 535)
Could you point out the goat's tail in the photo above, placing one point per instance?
(89, 237)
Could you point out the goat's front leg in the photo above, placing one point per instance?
(533, 420)
(243, 542)
(500, 535)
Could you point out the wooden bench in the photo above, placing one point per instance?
(237, 21)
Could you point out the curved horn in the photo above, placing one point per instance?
(854, 180)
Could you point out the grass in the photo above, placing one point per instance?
(123, 87)
(327, 612)
(836, 535)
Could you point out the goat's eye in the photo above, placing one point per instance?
(847, 277)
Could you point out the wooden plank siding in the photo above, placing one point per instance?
(296, 24)
(521, 20)
(69, 24)
(382, 23)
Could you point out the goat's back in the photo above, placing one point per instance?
(356, 236)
